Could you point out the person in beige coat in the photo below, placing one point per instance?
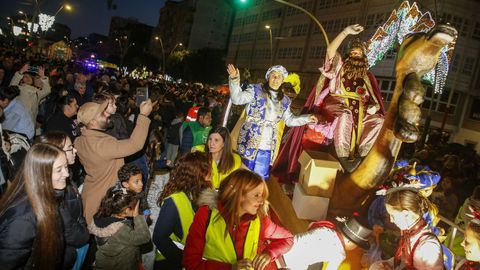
(101, 154)
(31, 93)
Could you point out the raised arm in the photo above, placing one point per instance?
(46, 88)
(238, 96)
(332, 48)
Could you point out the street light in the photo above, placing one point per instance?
(66, 6)
(176, 45)
(271, 43)
(163, 53)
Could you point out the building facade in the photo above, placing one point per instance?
(197, 24)
(127, 34)
(298, 44)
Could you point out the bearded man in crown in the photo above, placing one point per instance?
(348, 100)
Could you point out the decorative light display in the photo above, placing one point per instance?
(140, 73)
(35, 27)
(17, 30)
(405, 20)
(45, 21)
(124, 71)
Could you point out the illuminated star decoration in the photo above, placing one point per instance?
(405, 20)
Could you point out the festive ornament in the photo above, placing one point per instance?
(294, 80)
(406, 20)
(45, 21)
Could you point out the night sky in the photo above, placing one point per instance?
(87, 16)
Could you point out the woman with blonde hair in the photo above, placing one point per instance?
(232, 230)
(419, 248)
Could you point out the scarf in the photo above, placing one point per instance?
(403, 252)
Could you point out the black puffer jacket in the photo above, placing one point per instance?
(74, 225)
(18, 227)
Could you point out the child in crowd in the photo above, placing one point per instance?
(463, 218)
(404, 174)
(130, 177)
(418, 247)
(471, 244)
(118, 237)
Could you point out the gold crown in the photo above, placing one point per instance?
(357, 43)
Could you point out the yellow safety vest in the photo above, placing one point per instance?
(217, 177)
(186, 214)
(217, 248)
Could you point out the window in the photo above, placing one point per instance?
(386, 88)
(468, 65)
(370, 20)
(440, 105)
(335, 3)
(317, 52)
(293, 11)
(476, 31)
(465, 28)
(290, 53)
(457, 22)
(337, 24)
(272, 14)
(455, 62)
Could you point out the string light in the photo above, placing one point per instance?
(17, 30)
(35, 27)
(405, 20)
(45, 21)
(140, 73)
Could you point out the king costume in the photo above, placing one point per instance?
(345, 105)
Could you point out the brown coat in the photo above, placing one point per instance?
(102, 156)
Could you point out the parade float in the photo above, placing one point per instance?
(322, 190)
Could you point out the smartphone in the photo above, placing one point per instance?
(141, 95)
(33, 69)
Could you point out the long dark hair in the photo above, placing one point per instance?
(266, 90)
(226, 160)
(188, 176)
(115, 201)
(34, 182)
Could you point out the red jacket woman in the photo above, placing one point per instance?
(235, 230)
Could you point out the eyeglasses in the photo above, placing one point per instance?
(70, 149)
